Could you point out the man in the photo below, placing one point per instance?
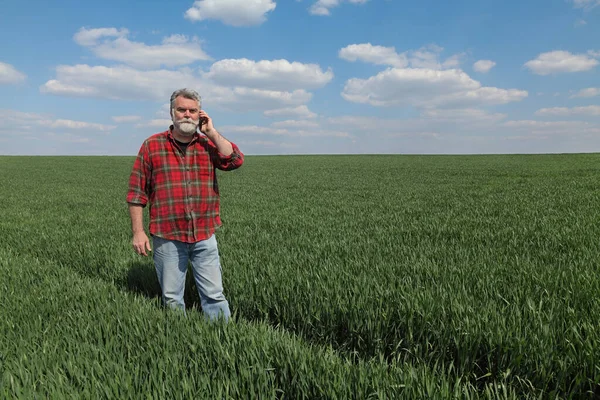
(175, 172)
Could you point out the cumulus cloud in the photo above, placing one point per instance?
(258, 100)
(13, 120)
(425, 57)
(426, 88)
(112, 44)
(118, 83)
(484, 66)
(471, 115)
(559, 61)
(155, 123)
(126, 83)
(76, 125)
(588, 92)
(379, 55)
(586, 4)
(90, 37)
(429, 57)
(440, 121)
(292, 123)
(126, 118)
(291, 112)
(271, 75)
(271, 130)
(323, 7)
(236, 13)
(9, 74)
(566, 111)
(553, 127)
(453, 61)
(24, 121)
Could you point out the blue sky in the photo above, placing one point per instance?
(304, 77)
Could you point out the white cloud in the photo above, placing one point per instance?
(415, 134)
(443, 122)
(13, 120)
(373, 54)
(291, 123)
(126, 118)
(266, 143)
(155, 123)
(175, 50)
(580, 22)
(9, 74)
(164, 111)
(67, 137)
(426, 88)
(371, 124)
(253, 129)
(586, 4)
(78, 125)
(565, 111)
(266, 130)
(484, 66)
(291, 112)
(464, 115)
(553, 127)
(231, 12)
(271, 75)
(256, 99)
(90, 37)
(425, 57)
(126, 83)
(323, 7)
(588, 92)
(453, 61)
(33, 122)
(118, 83)
(560, 61)
(429, 57)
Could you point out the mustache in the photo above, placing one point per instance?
(186, 121)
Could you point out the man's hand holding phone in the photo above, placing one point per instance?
(205, 123)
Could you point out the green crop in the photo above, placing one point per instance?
(348, 276)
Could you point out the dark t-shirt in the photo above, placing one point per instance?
(182, 145)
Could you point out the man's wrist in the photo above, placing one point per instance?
(212, 133)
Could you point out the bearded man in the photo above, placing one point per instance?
(175, 174)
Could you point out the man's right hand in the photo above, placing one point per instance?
(141, 243)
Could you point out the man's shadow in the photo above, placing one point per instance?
(142, 279)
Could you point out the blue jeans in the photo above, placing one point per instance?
(171, 261)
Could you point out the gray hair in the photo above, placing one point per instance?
(188, 94)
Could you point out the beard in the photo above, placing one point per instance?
(185, 126)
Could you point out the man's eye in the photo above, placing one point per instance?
(191, 110)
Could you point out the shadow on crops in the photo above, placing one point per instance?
(141, 279)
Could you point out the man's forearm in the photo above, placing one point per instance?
(223, 145)
(136, 213)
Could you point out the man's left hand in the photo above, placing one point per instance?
(205, 123)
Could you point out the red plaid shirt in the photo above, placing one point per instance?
(182, 190)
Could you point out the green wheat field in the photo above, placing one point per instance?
(367, 277)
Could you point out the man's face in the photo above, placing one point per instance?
(185, 115)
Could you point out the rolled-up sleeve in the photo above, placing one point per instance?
(138, 191)
(227, 163)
